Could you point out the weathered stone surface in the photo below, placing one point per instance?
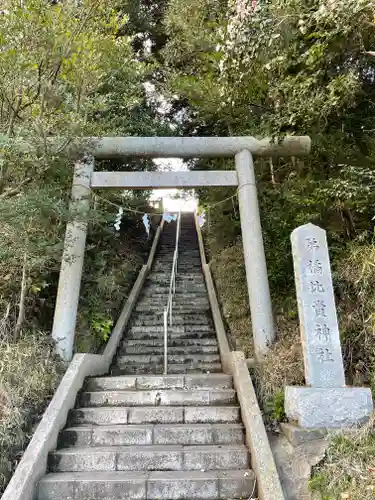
(183, 434)
(219, 380)
(262, 460)
(263, 329)
(99, 416)
(110, 486)
(158, 397)
(316, 306)
(237, 484)
(56, 487)
(151, 458)
(212, 414)
(83, 459)
(75, 436)
(110, 383)
(298, 435)
(193, 147)
(89, 485)
(216, 457)
(182, 486)
(328, 407)
(295, 463)
(160, 382)
(228, 433)
(122, 435)
(156, 415)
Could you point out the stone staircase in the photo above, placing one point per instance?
(138, 434)
(192, 340)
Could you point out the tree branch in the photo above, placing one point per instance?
(13, 191)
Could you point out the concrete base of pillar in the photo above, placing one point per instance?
(340, 407)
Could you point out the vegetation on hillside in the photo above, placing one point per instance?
(68, 69)
(281, 67)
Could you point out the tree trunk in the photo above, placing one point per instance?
(21, 305)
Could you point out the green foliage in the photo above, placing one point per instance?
(274, 407)
(101, 325)
(68, 69)
(229, 273)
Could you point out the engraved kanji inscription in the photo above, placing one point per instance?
(312, 243)
(323, 332)
(316, 287)
(314, 268)
(319, 307)
(324, 355)
(316, 308)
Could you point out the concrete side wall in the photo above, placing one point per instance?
(218, 321)
(214, 303)
(262, 460)
(33, 464)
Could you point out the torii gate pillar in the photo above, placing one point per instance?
(254, 256)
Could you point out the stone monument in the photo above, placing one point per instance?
(325, 402)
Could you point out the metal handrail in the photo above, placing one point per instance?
(172, 291)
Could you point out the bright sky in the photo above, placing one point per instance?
(185, 204)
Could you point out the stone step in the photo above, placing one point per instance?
(181, 305)
(141, 348)
(176, 397)
(149, 457)
(181, 281)
(214, 381)
(180, 299)
(181, 292)
(178, 319)
(210, 342)
(181, 272)
(127, 435)
(149, 343)
(156, 485)
(163, 264)
(196, 277)
(188, 257)
(185, 258)
(171, 329)
(172, 368)
(183, 246)
(183, 287)
(187, 358)
(194, 274)
(177, 308)
(186, 290)
(194, 335)
(155, 415)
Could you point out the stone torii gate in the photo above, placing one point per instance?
(86, 179)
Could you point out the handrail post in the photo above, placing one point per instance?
(165, 341)
(168, 311)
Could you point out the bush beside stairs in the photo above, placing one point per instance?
(139, 434)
